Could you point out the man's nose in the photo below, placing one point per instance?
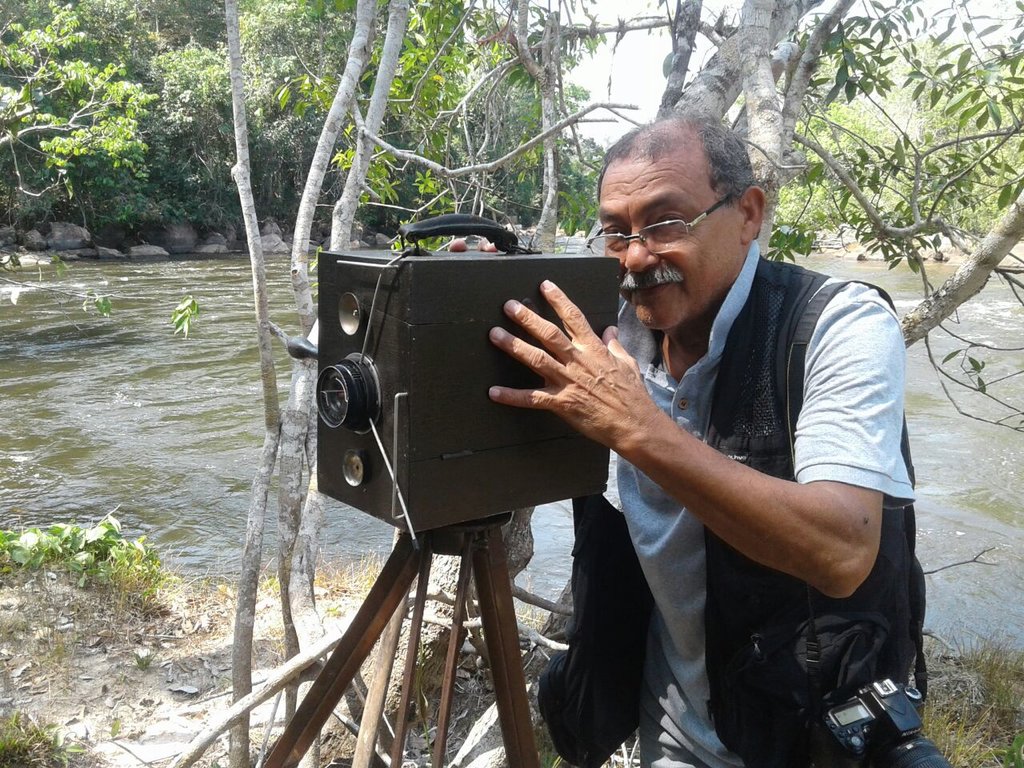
(637, 257)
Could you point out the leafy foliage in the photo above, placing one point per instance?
(100, 552)
(921, 112)
(58, 112)
(184, 315)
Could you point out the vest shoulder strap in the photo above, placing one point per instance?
(796, 368)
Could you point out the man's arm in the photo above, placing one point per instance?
(823, 532)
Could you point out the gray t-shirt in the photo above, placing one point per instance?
(848, 431)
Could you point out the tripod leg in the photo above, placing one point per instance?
(373, 712)
(501, 634)
(388, 591)
(415, 625)
(452, 659)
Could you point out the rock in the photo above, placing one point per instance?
(178, 238)
(66, 237)
(274, 244)
(110, 236)
(270, 228)
(33, 240)
(146, 250)
(380, 240)
(103, 252)
(8, 236)
(73, 254)
(211, 248)
(215, 238)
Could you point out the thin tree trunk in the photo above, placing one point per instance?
(345, 209)
(241, 658)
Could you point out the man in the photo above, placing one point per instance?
(736, 531)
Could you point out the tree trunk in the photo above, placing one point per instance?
(241, 657)
(969, 278)
(345, 209)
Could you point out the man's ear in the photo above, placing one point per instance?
(751, 205)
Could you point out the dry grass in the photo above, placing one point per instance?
(25, 743)
(975, 706)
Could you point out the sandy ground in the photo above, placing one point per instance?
(132, 687)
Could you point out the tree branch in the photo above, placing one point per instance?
(492, 165)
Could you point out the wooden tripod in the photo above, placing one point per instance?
(483, 555)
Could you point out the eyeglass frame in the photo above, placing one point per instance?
(641, 234)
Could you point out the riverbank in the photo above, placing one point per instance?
(128, 687)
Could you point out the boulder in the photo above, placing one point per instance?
(67, 237)
(179, 237)
(103, 252)
(8, 236)
(274, 244)
(33, 240)
(380, 240)
(270, 228)
(146, 250)
(110, 236)
(215, 238)
(211, 248)
(71, 254)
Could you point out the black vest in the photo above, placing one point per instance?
(758, 620)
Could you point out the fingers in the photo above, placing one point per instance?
(562, 344)
(572, 317)
(532, 357)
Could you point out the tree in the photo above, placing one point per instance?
(59, 113)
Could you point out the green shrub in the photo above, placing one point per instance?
(98, 553)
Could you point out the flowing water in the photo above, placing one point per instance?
(119, 415)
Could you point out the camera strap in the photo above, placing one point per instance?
(795, 370)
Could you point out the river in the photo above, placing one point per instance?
(119, 415)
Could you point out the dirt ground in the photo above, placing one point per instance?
(131, 687)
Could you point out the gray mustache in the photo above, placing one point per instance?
(661, 274)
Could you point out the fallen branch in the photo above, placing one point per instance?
(974, 559)
(284, 675)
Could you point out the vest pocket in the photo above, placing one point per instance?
(765, 707)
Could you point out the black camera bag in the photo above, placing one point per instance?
(589, 695)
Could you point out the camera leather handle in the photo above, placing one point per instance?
(461, 224)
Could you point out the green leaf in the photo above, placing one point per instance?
(995, 113)
(951, 355)
(964, 60)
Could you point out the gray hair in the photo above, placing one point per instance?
(731, 173)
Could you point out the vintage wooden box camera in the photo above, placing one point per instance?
(404, 367)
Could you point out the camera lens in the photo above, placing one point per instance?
(918, 752)
(348, 394)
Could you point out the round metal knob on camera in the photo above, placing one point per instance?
(349, 313)
(353, 467)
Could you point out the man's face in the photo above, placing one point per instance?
(638, 192)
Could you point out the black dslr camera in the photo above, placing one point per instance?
(880, 727)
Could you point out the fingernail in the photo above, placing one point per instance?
(547, 285)
(493, 393)
(512, 306)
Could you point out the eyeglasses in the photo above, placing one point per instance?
(658, 238)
